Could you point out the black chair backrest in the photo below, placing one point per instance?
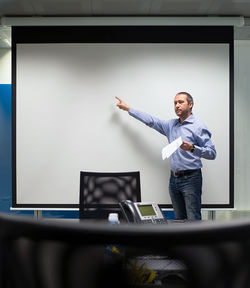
(101, 192)
(44, 254)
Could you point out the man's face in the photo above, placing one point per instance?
(181, 106)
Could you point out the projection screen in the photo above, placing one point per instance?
(65, 118)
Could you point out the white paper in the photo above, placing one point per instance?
(168, 150)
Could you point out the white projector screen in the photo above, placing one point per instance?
(66, 119)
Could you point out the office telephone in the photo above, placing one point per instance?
(142, 212)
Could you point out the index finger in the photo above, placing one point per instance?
(118, 98)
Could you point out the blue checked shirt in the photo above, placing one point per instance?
(190, 130)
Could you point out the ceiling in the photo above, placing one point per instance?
(124, 7)
(146, 8)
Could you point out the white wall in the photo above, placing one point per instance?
(242, 124)
(5, 66)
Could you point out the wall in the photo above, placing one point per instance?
(5, 66)
(242, 135)
(5, 129)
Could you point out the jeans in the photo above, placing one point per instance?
(185, 192)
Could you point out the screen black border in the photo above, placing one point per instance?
(124, 34)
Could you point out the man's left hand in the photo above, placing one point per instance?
(186, 146)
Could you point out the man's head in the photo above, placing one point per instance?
(183, 104)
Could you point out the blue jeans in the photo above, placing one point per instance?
(185, 192)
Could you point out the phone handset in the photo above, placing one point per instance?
(129, 211)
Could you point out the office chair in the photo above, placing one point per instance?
(49, 254)
(101, 192)
(44, 254)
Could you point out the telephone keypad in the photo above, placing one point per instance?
(155, 221)
(148, 221)
(160, 221)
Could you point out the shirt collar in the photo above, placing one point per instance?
(190, 119)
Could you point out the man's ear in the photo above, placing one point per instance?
(191, 105)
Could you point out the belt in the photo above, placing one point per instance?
(183, 172)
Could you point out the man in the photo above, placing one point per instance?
(185, 185)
